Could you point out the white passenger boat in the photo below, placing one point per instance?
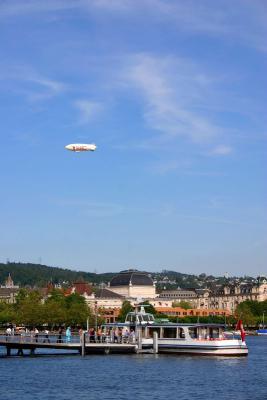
(202, 339)
(197, 339)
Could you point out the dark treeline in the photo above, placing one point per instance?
(36, 275)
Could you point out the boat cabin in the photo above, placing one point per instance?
(184, 331)
(139, 318)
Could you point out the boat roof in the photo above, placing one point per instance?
(165, 325)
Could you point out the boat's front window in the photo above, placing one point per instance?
(131, 318)
(145, 318)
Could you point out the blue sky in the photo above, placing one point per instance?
(174, 95)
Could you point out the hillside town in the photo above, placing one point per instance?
(136, 286)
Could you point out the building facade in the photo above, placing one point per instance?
(133, 284)
(220, 297)
(8, 291)
(229, 296)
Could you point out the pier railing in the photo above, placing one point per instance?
(73, 339)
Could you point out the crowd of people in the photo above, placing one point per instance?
(113, 335)
(65, 335)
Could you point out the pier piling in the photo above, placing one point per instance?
(83, 339)
(155, 342)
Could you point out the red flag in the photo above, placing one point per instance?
(239, 327)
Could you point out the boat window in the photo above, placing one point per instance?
(193, 333)
(169, 332)
(214, 333)
(181, 333)
(131, 318)
(151, 330)
(145, 318)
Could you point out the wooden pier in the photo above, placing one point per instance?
(21, 345)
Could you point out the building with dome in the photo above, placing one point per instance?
(133, 284)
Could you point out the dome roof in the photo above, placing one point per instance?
(132, 276)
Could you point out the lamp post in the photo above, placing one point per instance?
(95, 316)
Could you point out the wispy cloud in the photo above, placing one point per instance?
(91, 209)
(246, 23)
(221, 150)
(44, 88)
(172, 89)
(109, 209)
(168, 166)
(30, 83)
(20, 8)
(88, 109)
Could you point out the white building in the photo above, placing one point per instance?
(133, 284)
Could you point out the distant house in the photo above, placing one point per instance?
(82, 288)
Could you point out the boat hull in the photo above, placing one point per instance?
(232, 347)
(262, 332)
(205, 351)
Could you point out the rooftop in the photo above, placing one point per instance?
(132, 277)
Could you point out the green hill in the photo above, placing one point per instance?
(36, 275)
(26, 274)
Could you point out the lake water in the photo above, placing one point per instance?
(136, 376)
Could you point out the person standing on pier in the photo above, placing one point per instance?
(60, 331)
(99, 334)
(8, 333)
(68, 334)
(132, 336)
(46, 337)
(36, 333)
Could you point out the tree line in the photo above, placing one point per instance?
(251, 312)
(57, 310)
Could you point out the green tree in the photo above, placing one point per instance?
(54, 313)
(7, 313)
(77, 314)
(28, 308)
(125, 309)
(245, 313)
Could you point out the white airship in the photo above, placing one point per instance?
(77, 147)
